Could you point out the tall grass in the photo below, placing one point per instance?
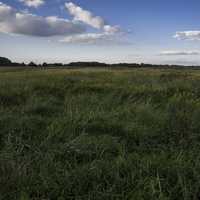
(105, 134)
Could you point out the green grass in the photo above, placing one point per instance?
(99, 134)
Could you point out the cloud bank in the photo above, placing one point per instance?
(179, 53)
(187, 35)
(91, 38)
(33, 3)
(72, 31)
(12, 21)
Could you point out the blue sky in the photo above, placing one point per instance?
(107, 31)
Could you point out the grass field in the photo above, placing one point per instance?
(99, 134)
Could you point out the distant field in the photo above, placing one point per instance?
(99, 134)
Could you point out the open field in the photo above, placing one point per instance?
(99, 134)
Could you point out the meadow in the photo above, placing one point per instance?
(93, 134)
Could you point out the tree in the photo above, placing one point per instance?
(32, 64)
(5, 61)
(44, 64)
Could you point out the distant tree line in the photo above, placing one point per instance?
(5, 62)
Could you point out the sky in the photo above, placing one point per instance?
(133, 31)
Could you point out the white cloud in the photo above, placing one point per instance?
(188, 35)
(12, 21)
(33, 3)
(111, 29)
(90, 19)
(88, 38)
(103, 38)
(74, 32)
(6, 12)
(109, 34)
(85, 16)
(179, 53)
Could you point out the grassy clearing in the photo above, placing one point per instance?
(99, 134)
